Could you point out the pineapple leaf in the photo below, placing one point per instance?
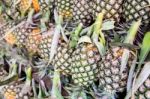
(56, 88)
(1, 9)
(124, 60)
(57, 32)
(75, 36)
(108, 25)
(41, 93)
(132, 32)
(85, 39)
(98, 34)
(34, 88)
(131, 74)
(145, 73)
(145, 48)
(27, 86)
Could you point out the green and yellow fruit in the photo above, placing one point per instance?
(112, 8)
(33, 40)
(64, 8)
(135, 9)
(84, 64)
(62, 59)
(83, 11)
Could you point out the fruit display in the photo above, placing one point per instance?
(74, 49)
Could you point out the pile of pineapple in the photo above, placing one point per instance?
(74, 49)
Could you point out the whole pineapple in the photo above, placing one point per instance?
(86, 56)
(135, 9)
(64, 8)
(84, 64)
(113, 78)
(112, 8)
(83, 11)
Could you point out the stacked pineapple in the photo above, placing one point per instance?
(84, 61)
(86, 57)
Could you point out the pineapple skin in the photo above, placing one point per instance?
(112, 8)
(135, 9)
(110, 77)
(84, 64)
(45, 46)
(64, 8)
(83, 12)
(13, 91)
(62, 59)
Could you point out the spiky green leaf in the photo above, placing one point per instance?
(132, 32)
(145, 48)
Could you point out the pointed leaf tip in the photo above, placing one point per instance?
(132, 32)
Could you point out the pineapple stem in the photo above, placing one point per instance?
(132, 32)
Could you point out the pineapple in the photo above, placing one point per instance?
(19, 89)
(112, 8)
(135, 9)
(21, 35)
(13, 91)
(62, 59)
(44, 46)
(112, 77)
(33, 40)
(64, 8)
(144, 90)
(86, 56)
(83, 11)
(24, 5)
(15, 32)
(84, 64)
(10, 37)
(46, 5)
